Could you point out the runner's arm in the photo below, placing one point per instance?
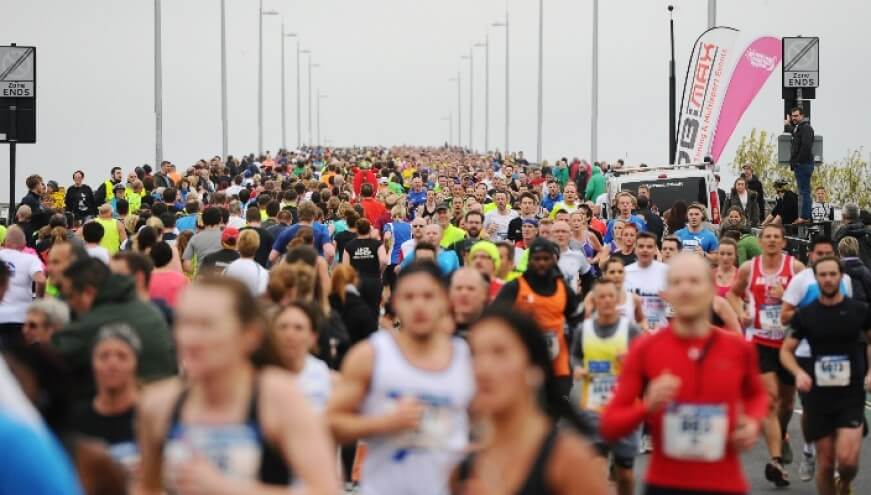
(508, 293)
(625, 412)
(787, 353)
(755, 395)
(573, 470)
(343, 416)
(640, 319)
(739, 288)
(787, 311)
(383, 259)
(329, 252)
(727, 314)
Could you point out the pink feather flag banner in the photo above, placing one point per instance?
(751, 71)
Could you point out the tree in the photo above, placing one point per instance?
(846, 180)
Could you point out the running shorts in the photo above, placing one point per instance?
(769, 362)
(822, 424)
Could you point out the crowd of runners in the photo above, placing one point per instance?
(422, 321)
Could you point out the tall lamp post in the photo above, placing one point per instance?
(260, 76)
(672, 94)
(471, 58)
(320, 97)
(225, 128)
(507, 58)
(594, 104)
(284, 37)
(158, 93)
(486, 46)
(459, 109)
(540, 78)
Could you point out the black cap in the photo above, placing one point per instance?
(443, 206)
(540, 244)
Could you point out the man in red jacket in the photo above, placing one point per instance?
(702, 396)
(364, 175)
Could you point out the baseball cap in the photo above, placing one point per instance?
(118, 186)
(443, 206)
(382, 180)
(229, 235)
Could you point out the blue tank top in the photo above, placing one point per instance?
(401, 232)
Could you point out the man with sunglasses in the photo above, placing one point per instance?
(801, 159)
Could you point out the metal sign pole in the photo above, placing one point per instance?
(11, 183)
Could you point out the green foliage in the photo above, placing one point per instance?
(846, 180)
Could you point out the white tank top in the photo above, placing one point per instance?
(417, 462)
(627, 308)
(314, 381)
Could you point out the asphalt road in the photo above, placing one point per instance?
(754, 464)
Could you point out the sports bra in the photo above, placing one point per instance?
(238, 450)
(536, 481)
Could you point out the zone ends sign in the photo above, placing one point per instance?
(801, 62)
(17, 72)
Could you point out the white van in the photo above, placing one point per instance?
(692, 183)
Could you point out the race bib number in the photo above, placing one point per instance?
(695, 432)
(433, 431)
(832, 371)
(654, 311)
(769, 322)
(690, 245)
(600, 387)
(552, 344)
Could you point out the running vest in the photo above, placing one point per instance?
(627, 309)
(111, 239)
(416, 462)
(767, 329)
(134, 199)
(601, 360)
(237, 450)
(314, 381)
(364, 256)
(549, 313)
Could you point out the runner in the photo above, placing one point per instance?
(803, 290)
(833, 327)
(646, 278)
(700, 416)
(542, 293)
(629, 304)
(410, 404)
(228, 426)
(726, 270)
(671, 245)
(597, 354)
(764, 279)
(523, 453)
(294, 335)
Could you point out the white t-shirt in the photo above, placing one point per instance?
(22, 267)
(98, 252)
(648, 283)
(407, 248)
(236, 222)
(501, 221)
(249, 272)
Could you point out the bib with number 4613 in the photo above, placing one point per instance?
(832, 371)
(695, 432)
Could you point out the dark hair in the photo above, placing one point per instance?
(473, 213)
(797, 109)
(366, 190)
(52, 377)
(424, 246)
(829, 257)
(93, 232)
(137, 263)
(675, 239)
(211, 216)
(252, 214)
(677, 216)
(78, 172)
(821, 239)
(363, 226)
(311, 312)
(642, 202)
(122, 206)
(169, 195)
(610, 262)
(645, 235)
(552, 401)
(303, 253)
(168, 220)
(112, 172)
(244, 195)
(272, 208)
(161, 254)
(425, 267)
(192, 207)
(529, 195)
(87, 272)
(146, 238)
(158, 209)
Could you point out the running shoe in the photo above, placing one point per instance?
(786, 451)
(806, 468)
(775, 473)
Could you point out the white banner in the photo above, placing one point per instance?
(704, 89)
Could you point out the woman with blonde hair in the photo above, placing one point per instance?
(346, 300)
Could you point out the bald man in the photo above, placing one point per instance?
(701, 390)
(468, 294)
(25, 270)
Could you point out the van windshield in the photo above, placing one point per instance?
(664, 192)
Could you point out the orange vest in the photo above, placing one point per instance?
(549, 313)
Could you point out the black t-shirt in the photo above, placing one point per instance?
(627, 259)
(364, 256)
(266, 241)
(218, 261)
(342, 239)
(835, 335)
(117, 430)
(786, 207)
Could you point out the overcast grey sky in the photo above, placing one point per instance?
(385, 66)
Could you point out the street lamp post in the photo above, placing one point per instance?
(712, 13)
(540, 77)
(594, 106)
(158, 91)
(260, 76)
(471, 59)
(672, 95)
(486, 46)
(298, 105)
(320, 97)
(507, 58)
(225, 131)
(284, 87)
(459, 110)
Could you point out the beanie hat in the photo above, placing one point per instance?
(489, 248)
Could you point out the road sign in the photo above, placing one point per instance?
(17, 72)
(801, 62)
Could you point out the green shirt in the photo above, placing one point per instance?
(451, 235)
(394, 187)
(748, 247)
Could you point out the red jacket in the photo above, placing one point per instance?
(374, 211)
(726, 373)
(365, 175)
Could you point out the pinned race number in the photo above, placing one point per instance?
(695, 432)
(553, 347)
(601, 385)
(832, 371)
(769, 321)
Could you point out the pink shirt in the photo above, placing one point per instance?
(166, 285)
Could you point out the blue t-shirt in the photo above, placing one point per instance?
(705, 238)
(547, 202)
(416, 199)
(321, 234)
(401, 232)
(446, 260)
(34, 462)
(188, 222)
(636, 219)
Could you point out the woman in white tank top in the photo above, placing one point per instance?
(294, 334)
(629, 305)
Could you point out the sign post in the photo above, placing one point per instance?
(17, 104)
(801, 72)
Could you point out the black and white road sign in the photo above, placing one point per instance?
(801, 62)
(17, 72)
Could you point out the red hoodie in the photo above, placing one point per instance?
(365, 175)
(725, 373)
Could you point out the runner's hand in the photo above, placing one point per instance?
(198, 476)
(407, 414)
(745, 434)
(580, 373)
(803, 382)
(776, 291)
(661, 390)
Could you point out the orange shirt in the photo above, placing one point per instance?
(549, 313)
